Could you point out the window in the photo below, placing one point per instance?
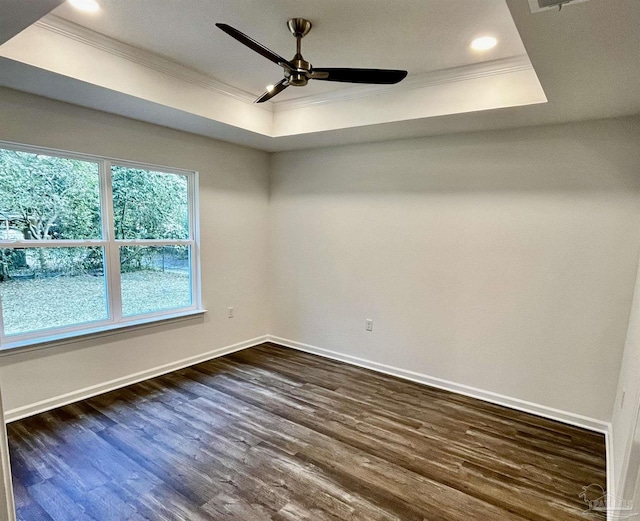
(88, 244)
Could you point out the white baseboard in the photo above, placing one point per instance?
(514, 403)
(58, 401)
(611, 482)
(488, 396)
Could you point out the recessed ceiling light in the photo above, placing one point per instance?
(270, 88)
(484, 43)
(89, 6)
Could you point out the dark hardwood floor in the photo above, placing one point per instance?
(273, 434)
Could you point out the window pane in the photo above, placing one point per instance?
(45, 197)
(43, 288)
(149, 205)
(154, 278)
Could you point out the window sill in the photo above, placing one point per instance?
(8, 348)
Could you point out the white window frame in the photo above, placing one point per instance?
(111, 248)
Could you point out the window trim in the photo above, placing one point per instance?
(57, 337)
(111, 248)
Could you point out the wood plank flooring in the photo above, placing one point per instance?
(273, 434)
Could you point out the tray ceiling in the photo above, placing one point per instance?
(163, 61)
(417, 35)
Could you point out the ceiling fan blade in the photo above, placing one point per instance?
(256, 46)
(277, 89)
(377, 76)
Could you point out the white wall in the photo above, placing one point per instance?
(503, 261)
(233, 216)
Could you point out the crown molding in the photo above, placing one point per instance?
(178, 71)
(147, 59)
(413, 82)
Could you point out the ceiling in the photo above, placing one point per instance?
(415, 35)
(17, 15)
(580, 63)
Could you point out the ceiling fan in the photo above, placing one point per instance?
(298, 71)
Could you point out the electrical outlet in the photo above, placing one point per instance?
(369, 325)
(231, 312)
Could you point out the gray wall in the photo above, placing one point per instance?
(233, 219)
(503, 261)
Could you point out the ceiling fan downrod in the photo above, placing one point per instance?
(299, 27)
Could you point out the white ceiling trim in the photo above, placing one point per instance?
(148, 59)
(168, 67)
(429, 79)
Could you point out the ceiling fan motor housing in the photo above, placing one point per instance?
(298, 78)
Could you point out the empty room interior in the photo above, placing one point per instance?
(319, 260)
